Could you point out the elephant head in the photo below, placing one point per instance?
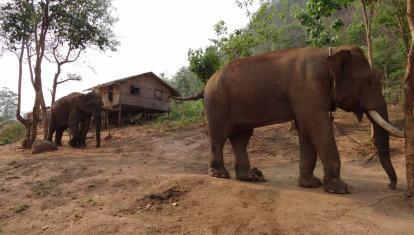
(91, 105)
(355, 88)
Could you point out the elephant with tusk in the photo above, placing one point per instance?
(304, 85)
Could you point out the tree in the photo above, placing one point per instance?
(71, 24)
(61, 60)
(8, 104)
(185, 82)
(204, 63)
(399, 13)
(312, 18)
(408, 106)
(239, 43)
(368, 14)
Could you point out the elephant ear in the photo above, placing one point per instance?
(80, 103)
(336, 64)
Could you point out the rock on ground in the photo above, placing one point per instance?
(41, 146)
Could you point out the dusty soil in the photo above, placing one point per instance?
(148, 180)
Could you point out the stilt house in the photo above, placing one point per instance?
(134, 98)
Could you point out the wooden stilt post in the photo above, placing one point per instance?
(120, 115)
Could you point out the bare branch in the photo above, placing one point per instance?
(76, 57)
(70, 78)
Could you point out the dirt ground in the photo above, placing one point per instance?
(150, 180)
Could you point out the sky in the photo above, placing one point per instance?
(155, 35)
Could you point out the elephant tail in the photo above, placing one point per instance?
(198, 96)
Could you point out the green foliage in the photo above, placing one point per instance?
(186, 82)
(84, 22)
(11, 132)
(204, 63)
(392, 91)
(77, 23)
(183, 113)
(320, 31)
(17, 19)
(272, 26)
(356, 32)
(8, 105)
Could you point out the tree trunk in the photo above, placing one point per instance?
(35, 121)
(408, 107)
(40, 52)
(43, 109)
(399, 16)
(403, 34)
(367, 22)
(55, 84)
(26, 142)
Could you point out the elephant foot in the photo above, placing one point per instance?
(335, 186)
(251, 175)
(309, 182)
(220, 172)
(72, 143)
(58, 143)
(392, 185)
(81, 146)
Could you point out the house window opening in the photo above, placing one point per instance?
(111, 93)
(135, 90)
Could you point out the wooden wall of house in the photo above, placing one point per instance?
(148, 88)
(104, 91)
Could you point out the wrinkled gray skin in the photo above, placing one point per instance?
(75, 111)
(304, 85)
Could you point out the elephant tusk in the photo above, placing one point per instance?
(385, 125)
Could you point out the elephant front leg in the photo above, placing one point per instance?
(319, 127)
(52, 128)
(74, 130)
(239, 142)
(85, 125)
(308, 157)
(58, 136)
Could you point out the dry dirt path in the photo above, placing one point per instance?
(148, 180)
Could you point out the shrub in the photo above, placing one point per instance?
(393, 92)
(184, 113)
(11, 132)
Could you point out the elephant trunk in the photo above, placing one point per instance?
(98, 123)
(381, 142)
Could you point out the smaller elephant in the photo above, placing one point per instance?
(75, 111)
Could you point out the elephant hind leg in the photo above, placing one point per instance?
(216, 167)
(239, 142)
